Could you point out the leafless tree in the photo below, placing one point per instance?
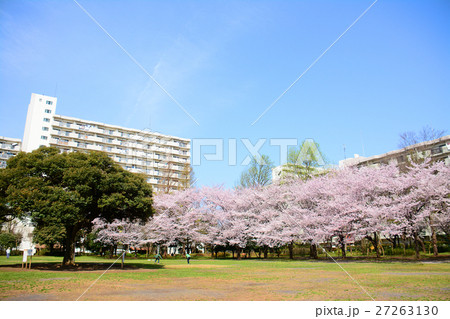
(426, 134)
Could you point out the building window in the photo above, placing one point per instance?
(48, 102)
(48, 111)
(44, 137)
(45, 128)
(437, 150)
(46, 119)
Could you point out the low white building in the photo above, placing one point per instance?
(437, 150)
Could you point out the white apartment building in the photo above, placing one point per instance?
(164, 159)
(9, 147)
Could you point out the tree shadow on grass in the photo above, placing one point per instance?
(85, 266)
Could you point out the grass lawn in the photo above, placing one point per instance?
(206, 279)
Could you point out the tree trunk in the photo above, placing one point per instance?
(313, 251)
(291, 250)
(434, 241)
(396, 239)
(124, 249)
(422, 244)
(380, 245)
(238, 253)
(342, 242)
(266, 250)
(376, 244)
(69, 247)
(416, 245)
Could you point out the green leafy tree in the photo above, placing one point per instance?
(49, 234)
(71, 190)
(91, 244)
(9, 240)
(304, 162)
(258, 174)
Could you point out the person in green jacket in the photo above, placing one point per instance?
(157, 257)
(188, 257)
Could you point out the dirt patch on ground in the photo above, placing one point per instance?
(51, 279)
(225, 282)
(416, 273)
(391, 259)
(194, 266)
(34, 297)
(80, 267)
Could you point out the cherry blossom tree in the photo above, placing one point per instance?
(425, 200)
(349, 204)
(118, 232)
(177, 219)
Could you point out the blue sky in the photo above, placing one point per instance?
(225, 62)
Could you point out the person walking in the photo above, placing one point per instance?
(188, 257)
(157, 257)
(8, 252)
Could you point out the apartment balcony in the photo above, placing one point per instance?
(107, 140)
(96, 130)
(62, 142)
(438, 150)
(93, 139)
(121, 151)
(94, 147)
(5, 156)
